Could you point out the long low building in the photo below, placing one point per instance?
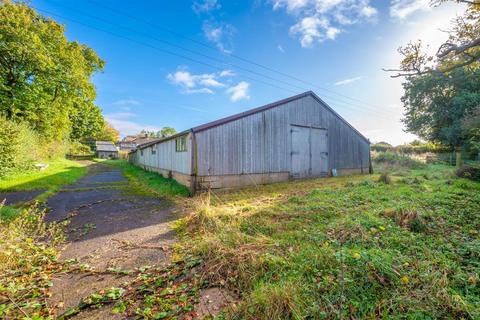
(298, 137)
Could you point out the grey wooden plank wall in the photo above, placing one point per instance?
(261, 142)
(166, 157)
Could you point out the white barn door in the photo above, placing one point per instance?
(309, 153)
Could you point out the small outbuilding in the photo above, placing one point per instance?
(298, 137)
(106, 150)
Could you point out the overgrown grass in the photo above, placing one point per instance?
(348, 247)
(149, 181)
(8, 213)
(59, 172)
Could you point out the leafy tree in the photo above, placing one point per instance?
(436, 105)
(166, 132)
(87, 122)
(44, 78)
(108, 133)
(471, 129)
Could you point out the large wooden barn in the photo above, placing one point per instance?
(298, 137)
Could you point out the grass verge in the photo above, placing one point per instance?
(149, 182)
(347, 247)
(59, 172)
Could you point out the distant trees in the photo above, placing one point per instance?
(442, 92)
(162, 133)
(44, 78)
(108, 133)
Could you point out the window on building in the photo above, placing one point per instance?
(141, 152)
(181, 144)
(153, 150)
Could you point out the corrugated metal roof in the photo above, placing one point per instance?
(105, 146)
(253, 111)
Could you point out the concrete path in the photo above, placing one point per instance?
(110, 227)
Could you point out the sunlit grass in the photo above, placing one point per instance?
(149, 182)
(59, 172)
(347, 247)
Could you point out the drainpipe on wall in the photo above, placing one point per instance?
(193, 176)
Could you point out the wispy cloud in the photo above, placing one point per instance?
(280, 48)
(318, 21)
(239, 92)
(402, 9)
(220, 34)
(347, 81)
(199, 83)
(205, 6)
(126, 102)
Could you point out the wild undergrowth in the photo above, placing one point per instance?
(345, 247)
(28, 259)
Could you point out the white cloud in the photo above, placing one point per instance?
(280, 48)
(320, 20)
(221, 34)
(122, 121)
(239, 92)
(127, 102)
(347, 81)
(313, 28)
(402, 9)
(199, 83)
(227, 73)
(205, 6)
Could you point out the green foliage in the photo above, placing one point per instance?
(108, 133)
(28, 259)
(344, 248)
(436, 104)
(88, 123)
(396, 159)
(471, 129)
(18, 147)
(155, 293)
(79, 149)
(469, 172)
(162, 133)
(44, 78)
(8, 213)
(415, 147)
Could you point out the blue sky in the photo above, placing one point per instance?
(184, 63)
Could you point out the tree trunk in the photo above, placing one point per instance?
(458, 158)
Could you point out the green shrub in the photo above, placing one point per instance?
(18, 146)
(79, 149)
(469, 172)
(391, 158)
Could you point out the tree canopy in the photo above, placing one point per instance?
(436, 105)
(44, 78)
